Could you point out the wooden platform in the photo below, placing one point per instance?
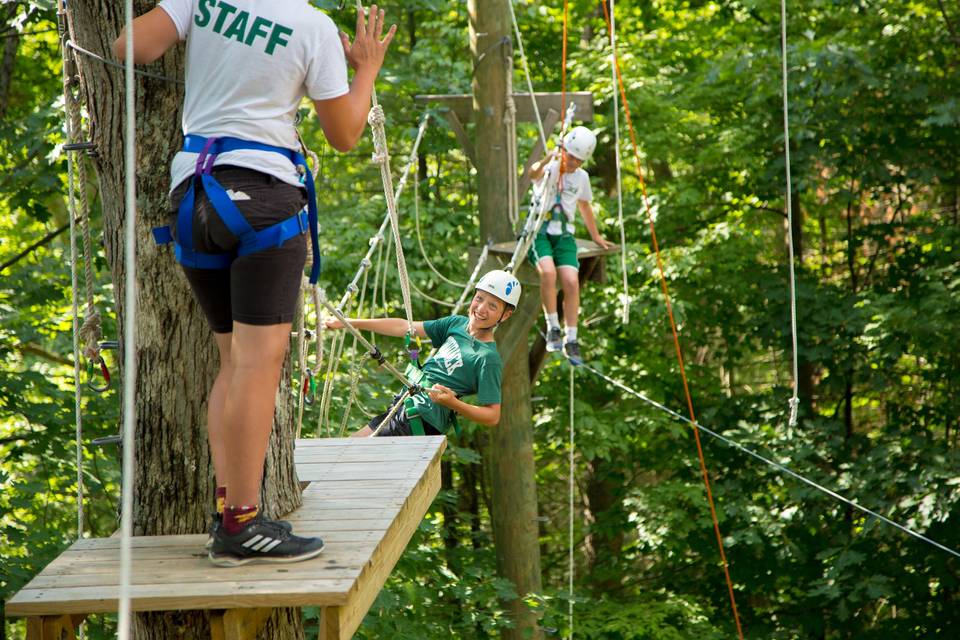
(366, 498)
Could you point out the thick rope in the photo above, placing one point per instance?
(381, 156)
(129, 330)
(795, 400)
(510, 131)
(676, 338)
(570, 477)
(377, 238)
(91, 332)
(74, 283)
(625, 297)
(357, 363)
(776, 465)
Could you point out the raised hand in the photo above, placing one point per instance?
(368, 49)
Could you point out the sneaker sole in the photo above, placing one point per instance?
(235, 561)
(553, 349)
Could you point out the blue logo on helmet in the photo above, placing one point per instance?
(510, 286)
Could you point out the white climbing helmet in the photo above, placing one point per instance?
(580, 143)
(502, 284)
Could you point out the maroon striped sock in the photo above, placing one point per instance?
(236, 518)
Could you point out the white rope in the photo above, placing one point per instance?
(795, 400)
(377, 238)
(423, 252)
(129, 331)
(779, 467)
(625, 297)
(571, 449)
(510, 127)
(526, 71)
(473, 280)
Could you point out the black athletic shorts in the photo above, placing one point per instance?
(260, 288)
(399, 424)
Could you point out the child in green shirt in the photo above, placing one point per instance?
(464, 363)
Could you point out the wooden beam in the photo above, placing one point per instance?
(61, 627)
(340, 623)
(462, 104)
(462, 137)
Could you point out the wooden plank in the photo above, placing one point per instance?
(218, 595)
(341, 622)
(462, 104)
(585, 249)
(366, 524)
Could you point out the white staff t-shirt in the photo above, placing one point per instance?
(249, 64)
(576, 187)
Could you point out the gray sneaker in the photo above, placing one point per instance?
(216, 521)
(571, 349)
(264, 541)
(554, 340)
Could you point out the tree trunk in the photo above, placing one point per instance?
(606, 522)
(510, 461)
(9, 43)
(176, 357)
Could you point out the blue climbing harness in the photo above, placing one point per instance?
(251, 241)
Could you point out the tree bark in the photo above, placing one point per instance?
(176, 356)
(510, 461)
(9, 43)
(606, 522)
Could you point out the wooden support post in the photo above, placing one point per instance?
(238, 624)
(62, 627)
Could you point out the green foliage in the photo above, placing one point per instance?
(874, 148)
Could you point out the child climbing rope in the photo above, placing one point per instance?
(465, 362)
(554, 250)
(238, 187)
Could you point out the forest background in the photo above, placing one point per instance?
(875, 147)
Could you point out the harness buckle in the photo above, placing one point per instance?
(205, 159)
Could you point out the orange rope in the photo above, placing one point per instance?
(673, 324)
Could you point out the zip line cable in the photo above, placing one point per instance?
(776, 465)
(570, 486)
(676, 336)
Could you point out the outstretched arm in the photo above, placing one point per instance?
(586, 211)
(488, 414)
(343, 118)
(153, 33)
(396, 327)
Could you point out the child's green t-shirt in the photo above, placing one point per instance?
(462, 363)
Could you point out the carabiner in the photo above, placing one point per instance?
(309, 388)
(104, 373)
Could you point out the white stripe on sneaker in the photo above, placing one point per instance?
(270, 547)
(266, 540)
(254, 540)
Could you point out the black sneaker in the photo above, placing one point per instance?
(572, 350)
(554, 340)
(263, 540)
(216, 521)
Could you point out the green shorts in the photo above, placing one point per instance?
(562, 248)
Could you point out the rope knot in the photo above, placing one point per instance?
(376, 116)
(91, 333)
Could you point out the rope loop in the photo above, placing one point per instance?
(376, 117)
